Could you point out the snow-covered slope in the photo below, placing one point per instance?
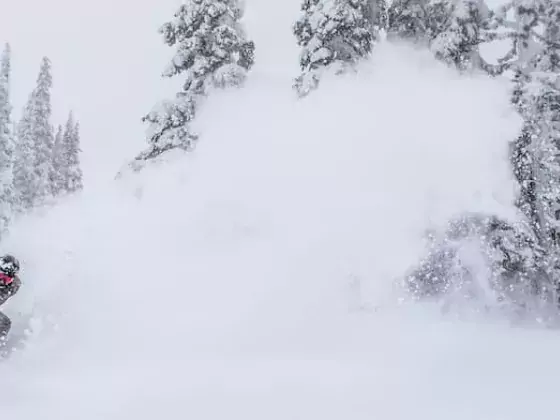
(255, 278)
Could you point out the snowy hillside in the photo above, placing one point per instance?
(256, 277)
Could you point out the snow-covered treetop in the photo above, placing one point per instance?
(334, 30)
(5, 106)
(335, 34)
(212, 49)
(456, 41)
(41, 96)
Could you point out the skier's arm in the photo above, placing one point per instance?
(7, 291)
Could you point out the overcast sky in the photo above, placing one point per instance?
(107, 57)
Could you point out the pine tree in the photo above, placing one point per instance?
(458, 44)
(35, 143)
(43, 131)
(452, 29)
(334, 35)
(479, 257)
(23, 162)
(407, 20)
(212, 52)
(536, 153)
(169, 126)
(418, 21)
(73, 181)
(66, 161)
(524, 259)
(6, 142)
(521, 60)
(57, 179)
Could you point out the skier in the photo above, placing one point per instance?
(9, 286)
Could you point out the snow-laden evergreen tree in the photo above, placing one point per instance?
(482, 258)
(458, 43)
(523, 259)
(169, 126)
(522, 59)
(68, 177)
(6, 142)
(335, 35)
(57, 179)
(43, 131)
(452, 29)
(536, 153)
(35, 143)
(212, 51)
(23, 163)
(408, 20)
(73, 176)
(418, 21)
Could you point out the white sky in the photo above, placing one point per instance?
(107, 57)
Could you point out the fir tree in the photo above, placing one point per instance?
(458, 44)
(480, 257)
(169, 126)
(212, 52)
(35, 143)
(43, 136)
(521, 60)
(23, 162)
(5, 105)
(6, 142)
(418, 21)
(334, 35)
(452, 29)
(536, 153)
(66, 161)
(73, 180)
(524, 259)
(57, 179)
(407, 20)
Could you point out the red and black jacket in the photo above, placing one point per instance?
(9, 286)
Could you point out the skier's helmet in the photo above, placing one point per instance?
(9, 265)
